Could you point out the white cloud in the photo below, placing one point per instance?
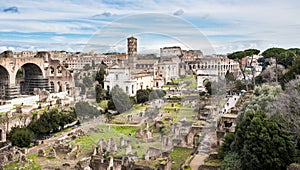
(255, 21)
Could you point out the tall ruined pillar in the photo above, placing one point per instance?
(3, 135)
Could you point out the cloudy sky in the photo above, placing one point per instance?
(215, 26)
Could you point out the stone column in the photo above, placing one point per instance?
(3, 135)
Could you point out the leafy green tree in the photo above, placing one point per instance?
(208, 87)
(285, 108)
(93, 64)
(52, 121)
(132, 100)
(111, 105)
(85, 111)
(238, 56)
(82, 88)
(286, 58)
(292, 72)
(142, 96)
(87, 81)
(120, 99)
(157, 94)
(21, 137)
(259, 80)
(274, 53)
(261, 144)
(295, 50)
(86, 67)
(251, 53)
(100, 76)
(100, 93)
(231, 162)
(226, 146)
(229, 76)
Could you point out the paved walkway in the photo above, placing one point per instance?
(197, 161)
(204, 146)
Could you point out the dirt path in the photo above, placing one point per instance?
(197, 161)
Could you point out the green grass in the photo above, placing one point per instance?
(169, 86)
(180, 155)
(116, 132)
(103, 104)
(32, 165)
(125, 130)
(215, 162)
(154, 164)
(85, 142)
(136, 109)
(193, 85)
(38, 111)
(170, 109)
(184, 79)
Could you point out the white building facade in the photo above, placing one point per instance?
(128, 81)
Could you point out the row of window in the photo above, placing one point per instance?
(59, 70)
(210, 66)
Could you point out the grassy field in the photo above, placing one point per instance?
(138, 145)
(103, 104)
(125, 130)
(184, 79)
(169, 109)
(179, 155)
(169, 86)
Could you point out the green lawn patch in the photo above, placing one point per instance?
(184, 79)
(169, 86)
(180, 155)
(125, 130)
(214, 162)
(116, 132)
(103, 104)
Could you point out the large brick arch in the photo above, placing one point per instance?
(31, 69)
(37, 69)
(4, 75)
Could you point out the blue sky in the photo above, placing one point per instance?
(215, 26)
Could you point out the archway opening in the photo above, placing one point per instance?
(4, 82)
(29, 77)
(59, 87)
(67, 86)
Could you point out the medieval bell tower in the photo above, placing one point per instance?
(132, 51)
